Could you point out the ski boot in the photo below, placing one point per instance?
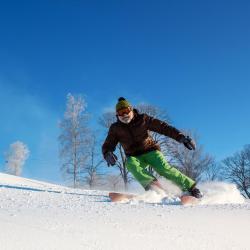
(194, 191)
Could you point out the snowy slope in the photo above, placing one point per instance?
(39, 215)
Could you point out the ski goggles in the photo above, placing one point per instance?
(124, 111)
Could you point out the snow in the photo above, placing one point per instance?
(38, 215)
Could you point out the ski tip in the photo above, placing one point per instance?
(118, 197)
(189, 200)
(113, 197)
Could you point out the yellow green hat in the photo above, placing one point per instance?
(122, 103)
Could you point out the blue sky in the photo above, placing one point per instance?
(191, 58)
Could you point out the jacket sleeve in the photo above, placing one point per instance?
(110, 141)
(163, 128)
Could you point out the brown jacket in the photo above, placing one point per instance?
(135, 137)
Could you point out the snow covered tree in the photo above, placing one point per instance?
(15, 158)
(237, 170)
(74, 139)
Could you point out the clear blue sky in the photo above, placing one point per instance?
(191, 58)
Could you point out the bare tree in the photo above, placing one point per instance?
(237, 170)
(106, 120)
(92, 171)
(194, 163)
(213, 172)
(114, 182)
(74, 139)
(15, 157)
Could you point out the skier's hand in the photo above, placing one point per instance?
(188, 142)
(110, 158)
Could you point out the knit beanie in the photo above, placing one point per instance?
(122, 103)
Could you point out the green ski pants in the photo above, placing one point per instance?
(137, 166)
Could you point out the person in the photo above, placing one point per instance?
(132, 131)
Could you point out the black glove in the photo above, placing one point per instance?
(188, 142)
(110, 158)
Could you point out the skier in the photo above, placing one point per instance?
(132, 131)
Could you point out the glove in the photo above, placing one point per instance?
(110, 158)
(188, 142)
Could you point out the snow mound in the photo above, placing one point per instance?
(220, 193)
(8, 179)
(39, 215)
(214, 193)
